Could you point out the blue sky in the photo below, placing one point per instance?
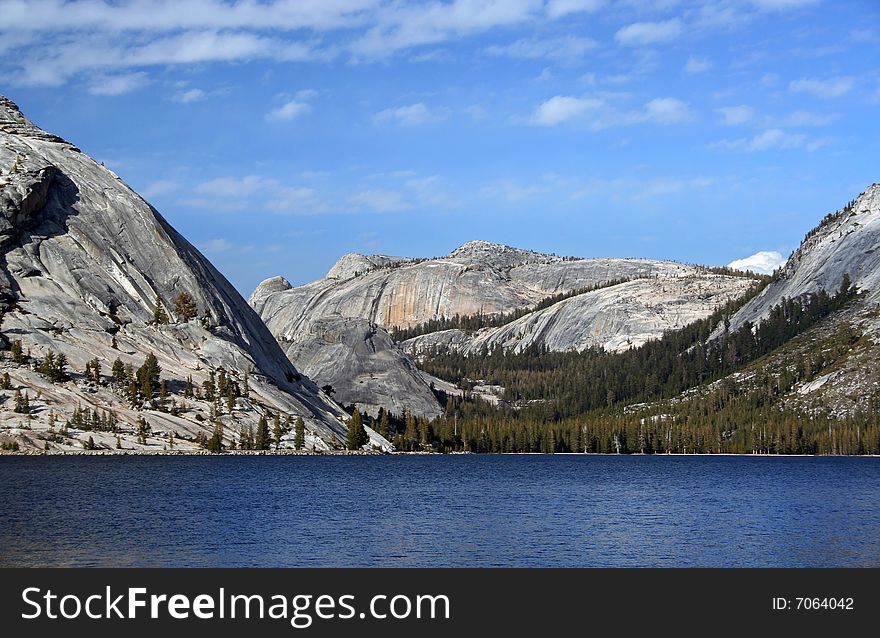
(277, 136)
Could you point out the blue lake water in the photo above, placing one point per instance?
(554, 511)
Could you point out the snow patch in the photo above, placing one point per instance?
(763, 262)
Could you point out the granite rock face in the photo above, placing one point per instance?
(363, 365)
(847, 243)
(615, 318)
(377, 292)
(83, 258)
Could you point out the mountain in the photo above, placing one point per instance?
(846, 242)
(336, 329)
(615, 318)
(84, 263)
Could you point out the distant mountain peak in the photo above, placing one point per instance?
(479, 251)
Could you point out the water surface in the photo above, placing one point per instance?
(561, 511)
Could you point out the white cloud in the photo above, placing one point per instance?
(696, 64)
(219, 245)
(288, 111)
(191, 95)
(763, 262)
(255, 192)
(769, 139)
(736, 115)
(117, 84)
(799, 119)
(408, 115)
(159, 187)
(562, 108)
(781, 5)
(233, 187)
(667, 110)
(558, 49)
(832, 87)
(769, 80)
(512, 191)
(381, 200)
(599, 114)
(644, 33)
(559, 8)
(295, 199)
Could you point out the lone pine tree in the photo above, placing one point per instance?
(299, 439)
(357, 435)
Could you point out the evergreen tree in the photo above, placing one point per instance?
(160, 317)
(215, 443)
(357, 436)
(384, 423)
(262, 439)
(299, 440)
(148, 377)
(230, 399)
(21, 402)
(185, 307)
(18, 355)
(118, 372)
(276, 431)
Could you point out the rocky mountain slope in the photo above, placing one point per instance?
(846, 242)
(841, 381)
(616, 318)
(84, 261)
(363, 296)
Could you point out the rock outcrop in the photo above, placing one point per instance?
(364, 294)
(847, 242)
(615, 318)
(84, 261)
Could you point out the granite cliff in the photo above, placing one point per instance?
(363, 297)
(84, 262)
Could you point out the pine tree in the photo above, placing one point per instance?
(262, 439)
(247, 387)
(357, 435)
(185, 307)
(230, 399)
(113, 343)
(221, 381)
(163, 395)
(21, 402)
(209, 387)
(148, 377)
(215, 443)
(5, 382)
(160, 317)
(118, 371)
(299, 440)
(18, 355)
(276, 431)
(383, 423)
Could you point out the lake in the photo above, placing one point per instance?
(434, 511)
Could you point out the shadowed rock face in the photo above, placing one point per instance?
(84, 258)
(364, 366)
(372, 292)
(850, 243)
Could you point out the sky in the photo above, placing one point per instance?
(279, 135)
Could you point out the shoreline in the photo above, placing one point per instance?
(42, 453)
